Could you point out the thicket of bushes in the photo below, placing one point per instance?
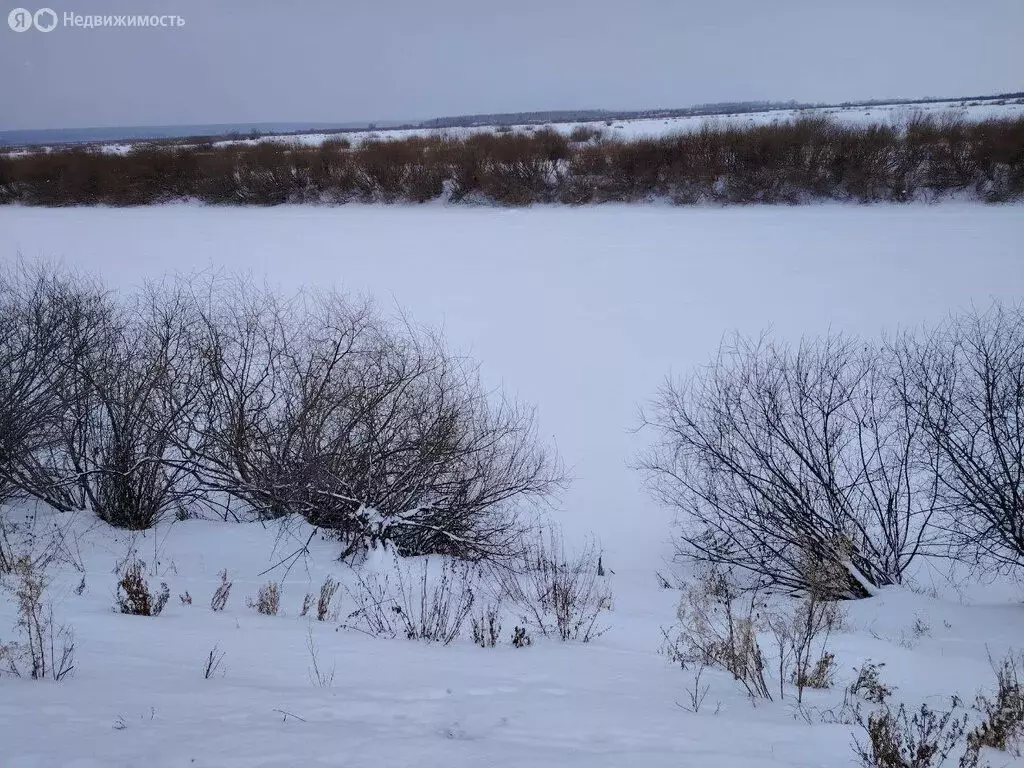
(215, 396)
(809, 159)
(849, 458)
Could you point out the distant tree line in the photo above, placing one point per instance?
(807, 160)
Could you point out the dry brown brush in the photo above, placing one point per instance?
(807, 159)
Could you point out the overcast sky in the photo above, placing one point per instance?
(348, 60)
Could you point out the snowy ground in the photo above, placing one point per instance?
(581, 311)
(139, 697)
(885, 114)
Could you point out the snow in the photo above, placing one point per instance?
(886, 114)
(654, 127)
(139, 697)
(582, 311)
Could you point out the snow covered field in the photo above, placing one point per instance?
(580, 311)
(139, 696)
(583, 312)
(884, 114)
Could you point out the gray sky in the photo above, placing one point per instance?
(345, 60)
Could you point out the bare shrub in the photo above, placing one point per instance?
(436, 609)
(214, 662)
(896, 739)
(268, 600)
(195, 393)
(417, 605)
(44, 316)
(718, 626)
(133, 594)
(924, 739)
(45, 649)
(560, 596)
(1002, 714)
(140, 392)
(185, 598)
(820, 675)
(802, 636)
(868, 684)
(220, 595)
(969, 390)
(323, 605)
(775, 457)
(120, 377)
(487, 625)
(307, 603)
(376, 610)
(305, 394)
(521, 638)
(699, 691)
(319, 675)
(584, 133)
(339, 142)
(792, 162)
(722, 623)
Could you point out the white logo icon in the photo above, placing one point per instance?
(20, 20)
(45, 19)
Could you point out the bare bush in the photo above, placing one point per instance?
(318, 407)
(868, 684)
(319, 675)
(307, 603)
(323, 605)
(584, 133)
(699, 691)
(436, 608)
(521, 638)
(924, 739)
(776, 457)
(108, 388)
(45, 314)
(723, 623)
(139, 394)
(793, 162)
(559, 596)
(375, 610)
(195, 393)
(820, 675)
(802, 636)
(969, 390)
(430, 605)
(221, 594)
(45, 649)
(1002, 714)
(214, 662)
(133, 594)
(487, 625)
(268, 600)
(718, 626)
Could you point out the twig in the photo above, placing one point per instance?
(289, 714)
